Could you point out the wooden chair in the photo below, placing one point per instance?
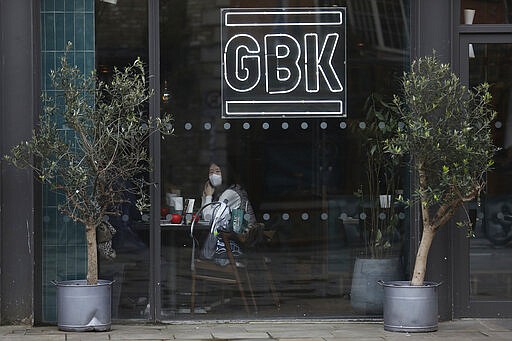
(230, 274)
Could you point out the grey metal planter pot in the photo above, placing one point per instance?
(83, 307)
(366, 294)
(410, 308)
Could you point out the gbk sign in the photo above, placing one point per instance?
(283, 62)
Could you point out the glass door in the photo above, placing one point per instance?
(486, 285)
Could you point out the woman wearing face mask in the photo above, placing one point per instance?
(215, 189)
(235, 197)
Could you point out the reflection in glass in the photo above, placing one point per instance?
(490, 252)
(301, 176)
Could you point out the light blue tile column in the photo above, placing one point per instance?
(64, 248)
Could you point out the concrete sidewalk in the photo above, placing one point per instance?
(300, 330)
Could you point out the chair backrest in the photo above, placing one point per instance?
(219, 221)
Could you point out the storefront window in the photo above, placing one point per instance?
(301, 175)
(485, 12)
(305, 178)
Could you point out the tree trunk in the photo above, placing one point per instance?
(420, 266)
(92, 255)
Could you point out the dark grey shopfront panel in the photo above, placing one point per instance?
(19, 103)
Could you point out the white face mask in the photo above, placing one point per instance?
(215, 179)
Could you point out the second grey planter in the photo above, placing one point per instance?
(366, 295)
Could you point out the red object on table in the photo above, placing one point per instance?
(176, 218)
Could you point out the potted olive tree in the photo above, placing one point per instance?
(92, 149)
(379, 217)
(447, 135)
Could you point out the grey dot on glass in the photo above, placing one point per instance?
(343, 125)
(304, 125)
(382, 215)
(247, 125)
(362, 216)
(284, 125)
(285, 216)
(227, 126)
(188, 126)
(125, 217)
(343, 216)
(324, 216)
(498, 124)
(401, 215)
(207, 126)
(401, 125)
(265, 125)
(266, 216)
(46, 219)
(323, 125)
(305, 216)
(145, 217)
(362, 125)
(382, 125)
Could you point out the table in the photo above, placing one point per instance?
(170, 234)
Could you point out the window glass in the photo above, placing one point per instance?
(301, 176)
(485, 12)
(121, 37)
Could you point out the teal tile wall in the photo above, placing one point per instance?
(64, 250)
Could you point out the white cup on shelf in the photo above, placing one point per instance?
(469, 15)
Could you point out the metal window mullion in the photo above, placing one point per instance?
(154, 111)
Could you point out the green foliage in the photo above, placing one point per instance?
(446, 133)
(100, 155)
(382, 178)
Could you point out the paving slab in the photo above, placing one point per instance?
(87, 336)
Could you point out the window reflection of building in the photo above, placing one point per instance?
(381, 25)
